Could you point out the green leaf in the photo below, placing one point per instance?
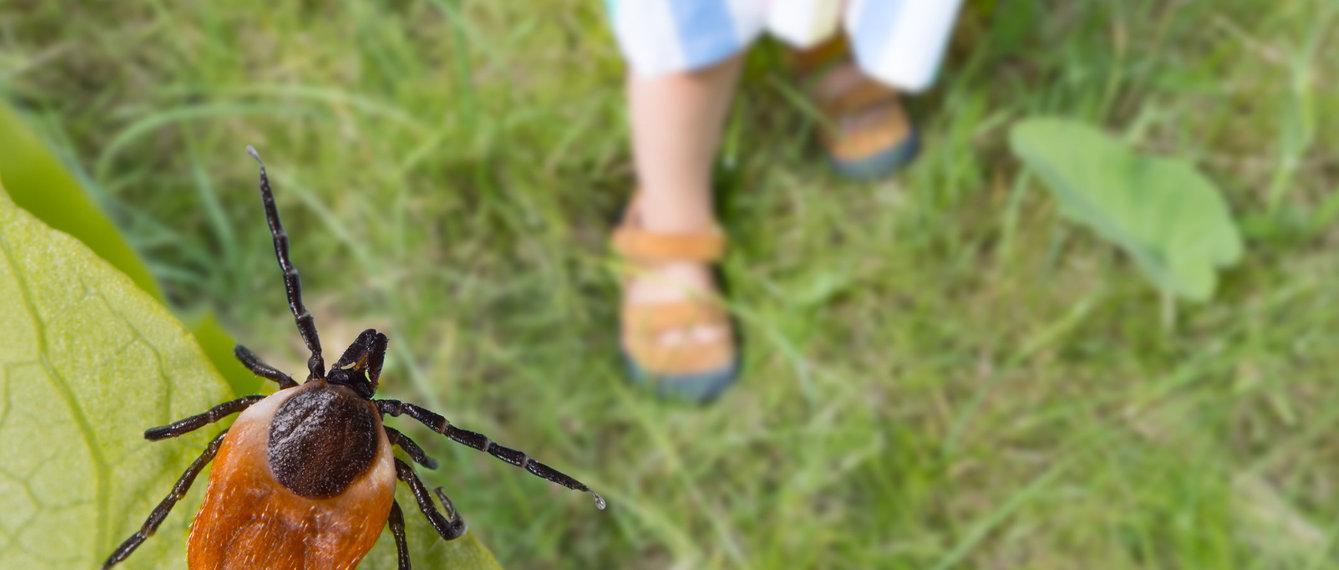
(38, 183)
(1170, 218)
(218, 346)
(89, 360)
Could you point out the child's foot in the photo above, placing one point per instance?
(674, 282)
(866, 131)
(868, 134)
(675, 335)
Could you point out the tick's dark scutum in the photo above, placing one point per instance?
(321, 439)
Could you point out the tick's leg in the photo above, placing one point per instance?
(451, 526)
(410, 448)
(396, 522)
(195, 422)
(292, 283)
(254, 364)
(482, 443)
(160, 512)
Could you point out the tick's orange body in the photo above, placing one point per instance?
(250, 520)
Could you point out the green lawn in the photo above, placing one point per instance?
(941, 371)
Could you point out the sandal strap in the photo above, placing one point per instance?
(864, 95)
(657, 318)
(694, 358)
(635, 243)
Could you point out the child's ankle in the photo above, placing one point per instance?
(681, 213)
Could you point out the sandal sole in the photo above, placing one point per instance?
(697, 387)
(880, 164)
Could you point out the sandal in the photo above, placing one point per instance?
(867, 134)
(696, 371)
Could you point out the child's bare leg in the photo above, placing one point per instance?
(677, 121)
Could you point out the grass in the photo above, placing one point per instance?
(942, 373)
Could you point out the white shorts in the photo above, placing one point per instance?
(899, 42)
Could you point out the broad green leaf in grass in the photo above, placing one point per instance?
(1163, 212)
(88, 361)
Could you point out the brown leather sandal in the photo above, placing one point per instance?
(695, 371)
(867, 134)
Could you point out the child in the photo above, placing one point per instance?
(685, 57)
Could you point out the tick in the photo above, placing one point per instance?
(305, 478)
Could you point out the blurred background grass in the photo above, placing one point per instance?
(942, 373)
